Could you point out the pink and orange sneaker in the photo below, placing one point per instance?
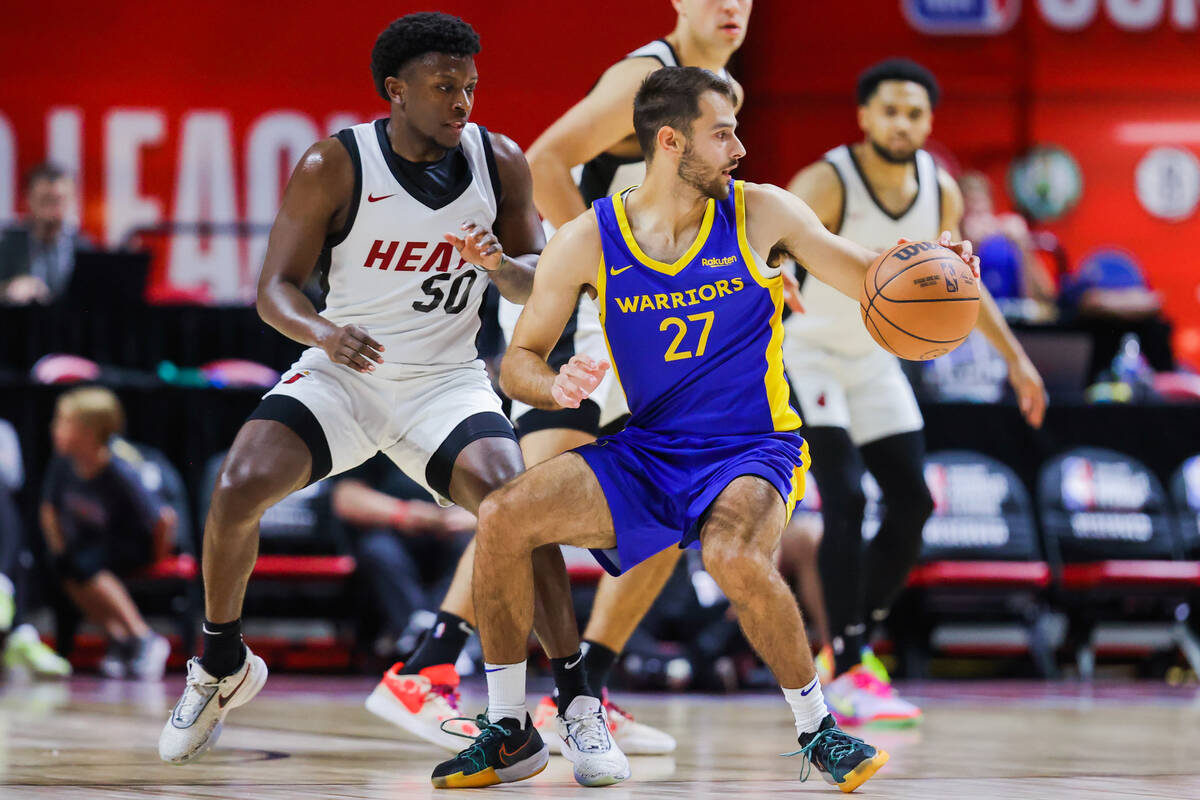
(420, 703)
(859, 698)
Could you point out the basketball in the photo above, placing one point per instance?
(919, 300)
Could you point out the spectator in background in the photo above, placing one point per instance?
(37, 255)
(101, 524)
(406, 545)
(1109, 295)
(23, 648)
(1007, 253)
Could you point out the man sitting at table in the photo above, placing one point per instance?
(37, 255)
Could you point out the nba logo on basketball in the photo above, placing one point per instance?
(958, 17)
(951, 278)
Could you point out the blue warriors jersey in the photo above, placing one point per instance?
(697, 344)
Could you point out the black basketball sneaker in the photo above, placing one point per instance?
(503, 752)
(843, 760)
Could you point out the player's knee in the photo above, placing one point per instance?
(497, 514)
(244, 489)
(738, 564)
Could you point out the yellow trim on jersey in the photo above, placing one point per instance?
(799, 482)
(659, 266)
(778, 393)
(601, 286)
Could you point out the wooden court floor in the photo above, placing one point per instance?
(309, 737)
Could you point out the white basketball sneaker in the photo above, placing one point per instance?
(422, 703)
(587, 744)
(196, 721)
(633, 737)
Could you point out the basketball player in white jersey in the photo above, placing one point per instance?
(858, 407)
(588, 153)
(414, 214)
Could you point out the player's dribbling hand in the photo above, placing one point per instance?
(353, 346)
(965, 250)
(578, 378)
(478, 246)
(1030, 391)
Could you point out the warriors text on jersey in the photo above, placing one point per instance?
(831, 320)
(390, 269)
(696, 344)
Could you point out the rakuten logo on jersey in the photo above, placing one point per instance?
(412, 257)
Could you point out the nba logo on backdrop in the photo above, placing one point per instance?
(959, 17)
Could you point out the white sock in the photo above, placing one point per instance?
(808, 706)
(506, 691)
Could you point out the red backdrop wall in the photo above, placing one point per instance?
(196, 112)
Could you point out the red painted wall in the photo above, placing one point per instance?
(221, 70)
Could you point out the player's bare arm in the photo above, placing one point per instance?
(314, 205)
(820, 188)
(567, 267)
(592, 126)
(509, 253)
(777, 218)
(1024, 377)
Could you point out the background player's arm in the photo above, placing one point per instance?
(318, 194)
(820, 188)
(593, 125)
(1024, 377)
(566, 268)
(509, 253)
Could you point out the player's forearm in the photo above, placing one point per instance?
(991, 323)
(359, 504)
(514, 279)
(555, 194)
(285, 308)
(525, 376)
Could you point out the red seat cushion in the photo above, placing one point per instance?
(303, 568)
(180, 567)
(1034, 574)
(1164, 574)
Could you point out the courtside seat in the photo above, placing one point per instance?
(981, 560)
(1116, 552)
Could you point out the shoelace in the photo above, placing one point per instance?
(835, 743)
(487, 729)
(589, 732)
(195, 695)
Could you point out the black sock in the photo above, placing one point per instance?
(224, 652)
(599, 661)
(445, 641)
(850, 653)
(571, 679)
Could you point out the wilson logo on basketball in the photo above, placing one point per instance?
(914, 249)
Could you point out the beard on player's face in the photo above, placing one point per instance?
(707, 179)
(894, 155)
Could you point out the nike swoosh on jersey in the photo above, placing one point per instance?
(619, 271)
(373, 199)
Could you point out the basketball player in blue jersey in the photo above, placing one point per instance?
(711, 457)
(858, 407)
(414, 214)
(588, 153)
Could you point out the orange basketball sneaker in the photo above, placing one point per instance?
(633, 737)
(420, 703)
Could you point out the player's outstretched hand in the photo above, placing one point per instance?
(478, 246)
(965, 250)
(1031, 392)
(578, 378)
(353, 346)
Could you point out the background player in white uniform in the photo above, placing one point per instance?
(588, 153)
(853, 397)
(402, 210)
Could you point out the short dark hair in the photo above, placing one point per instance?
(414, 35)
(897, 69)
(47, 171)
(671, 97)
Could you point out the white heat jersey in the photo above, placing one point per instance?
(392, 272)
(831, 320)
